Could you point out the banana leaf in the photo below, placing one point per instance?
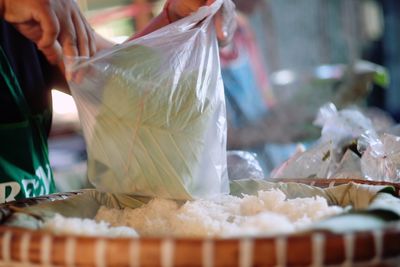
(369, 207)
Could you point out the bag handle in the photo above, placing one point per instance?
(203, 13)
(202, 16)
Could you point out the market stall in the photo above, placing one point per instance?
(168, 193)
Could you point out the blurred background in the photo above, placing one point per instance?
(286, 60)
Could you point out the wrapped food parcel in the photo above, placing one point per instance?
(153, 111)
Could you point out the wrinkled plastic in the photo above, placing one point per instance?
(342, 128)
(312, 163)
(153, 112)
(229, 23)
(348, 167)
(331, 157)
(381, 159)
(339, 126)
(335, 155)
(243, 165)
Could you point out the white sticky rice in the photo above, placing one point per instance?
(86, 227)
(267, 213)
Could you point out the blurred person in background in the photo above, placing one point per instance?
(253, 118)
(36, 38)
(269, 118)
(245, 76)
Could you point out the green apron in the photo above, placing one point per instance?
(24, 163)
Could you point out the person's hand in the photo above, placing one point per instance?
(57, 27)
(177, 9)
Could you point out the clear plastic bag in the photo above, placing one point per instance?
(153, 111)
(342, 129)
(243, 165)
(331, 156)
(311, 163)
(341, 126)
(381, 158)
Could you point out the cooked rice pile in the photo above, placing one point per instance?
(267, 213)
(76, 226)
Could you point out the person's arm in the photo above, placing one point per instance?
(173, 11)
(177, 9)
(156, 23)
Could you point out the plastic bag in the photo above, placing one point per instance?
(153, 112)
(335, 154)
(381, 159)
(243, 165)
(311, 163)
(341, 126)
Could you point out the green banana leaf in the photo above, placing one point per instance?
(372, 207)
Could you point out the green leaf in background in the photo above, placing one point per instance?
(381, 77)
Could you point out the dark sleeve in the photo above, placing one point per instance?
(32, 70)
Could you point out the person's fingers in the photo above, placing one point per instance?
(53, 53)
(79, 76)
(61, 66)
(44, 37)
(92, 39)
(50, 26)
(68, 37)
(82, 38)
(222, 34)
(30, 30)
(225, 23)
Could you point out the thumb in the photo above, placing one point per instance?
(53, 53)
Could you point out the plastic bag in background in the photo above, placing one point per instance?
(381, 159)
(330, 156)
(348, 167)
(243, 165)
(310, 163)
(341, 128)
(153, 112)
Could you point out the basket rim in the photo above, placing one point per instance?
(41, 246)
(382, 247)
(389, 226)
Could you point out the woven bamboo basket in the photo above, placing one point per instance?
(22, 247)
